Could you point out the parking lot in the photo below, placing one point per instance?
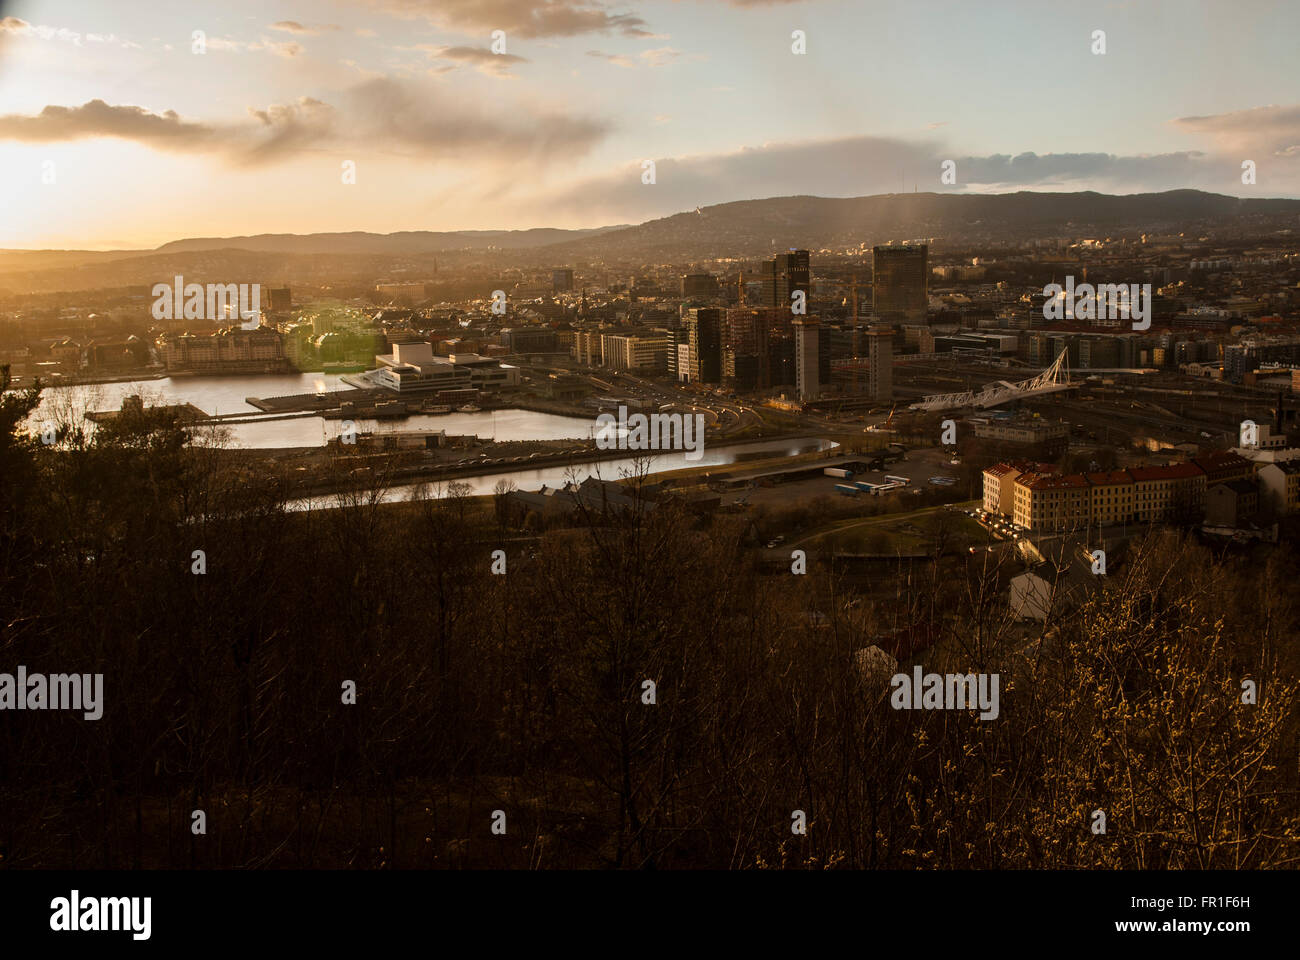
(997, 527)
(919, 467)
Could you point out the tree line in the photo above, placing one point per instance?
(526, 692)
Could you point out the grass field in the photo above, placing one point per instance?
(895, 532)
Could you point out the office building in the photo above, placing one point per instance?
(624, 352)
(586, 348)
(699, 286)
(704, 333)
(900, 283)
(784, 274)
(880, 364)
(408, 293)
(677, 354)
(529, 340)
(807, 337)
(279, 300)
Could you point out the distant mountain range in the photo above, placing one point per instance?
(755, 227)
(742, 229)
(407, 242)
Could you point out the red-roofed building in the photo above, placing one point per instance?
(999, 480)
(1049, 502)
(1112, 496)
(1052, 503)
(1222, 466)
(998, 486)
(1168, 493)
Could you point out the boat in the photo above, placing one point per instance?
(469, 408)
(436, 408)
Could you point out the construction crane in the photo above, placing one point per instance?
(853, 288)
(884, 427)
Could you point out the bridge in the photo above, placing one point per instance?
(964, 353)
(1052, 380)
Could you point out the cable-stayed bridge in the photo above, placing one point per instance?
(1052, 380)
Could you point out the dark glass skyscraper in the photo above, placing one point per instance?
(784, 274)
(900, 283)
(704, 328)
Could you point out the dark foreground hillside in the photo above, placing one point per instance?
(525, 692)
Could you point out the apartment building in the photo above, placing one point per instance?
(1279, 486)
(999, 483)
(1165, 493)
(999, 488)
(1232, 503)
(1112, 496)
(1049, 503)
(228, 351)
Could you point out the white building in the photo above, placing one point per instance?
(412, 368)
(624, 352)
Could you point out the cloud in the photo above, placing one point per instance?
(1083, 170)
(380, 114)
(493, 64)
(436, 123)
(617, 59)
(861, 166)
(285, 129)
(1263, 131)
(16, 27)
(293, 26)
(99, 119)
(279, 131)
(281, 48)
(285, 48)
(660, 57)
(519, 18)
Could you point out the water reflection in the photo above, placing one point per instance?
(555, 476)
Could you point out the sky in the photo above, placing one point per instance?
(127, 124)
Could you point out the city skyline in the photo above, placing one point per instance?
(147, 141)
(674, 436)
